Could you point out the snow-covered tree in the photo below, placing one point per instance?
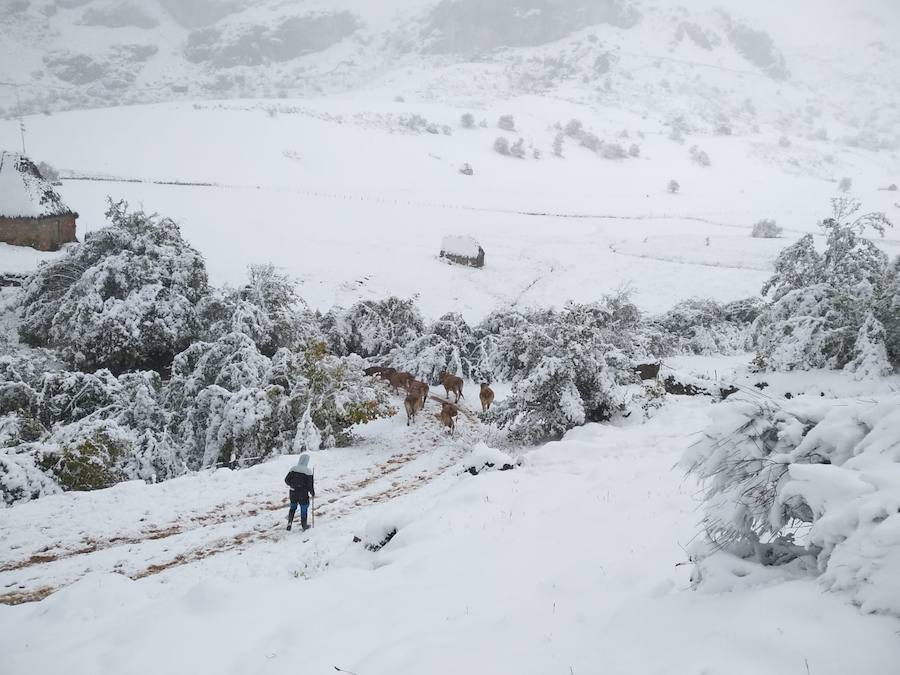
(797, 266)
(506, 122)
(558, 142)
(703, 326)
(823, 303)
(448, 345)
(574, 128)
(869, 358)
(467, 121)
(765, 229)
(794, 483)
(124, 299)
(501, 145)
(673, 187)
(887, 310)
(517, 149)
(699, 156)
(267, 309)
(372, 328)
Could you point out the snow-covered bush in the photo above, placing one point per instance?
(811, 483)
(566, 366)
(233, 405)
(845, 184)
(124, 299)
(467, 121)
(574, 128)
(448, 345)
(699, 156)
(372, 328)
(887, 311)
(702, 326)
(612, 151)
(506, 122)
(558, 142)
(267, 309)
(822, 303)
(673, 187)
(501, 145)
(517, 149)
(634, 150)
(21, 479)
(765, 229)
(590, 141)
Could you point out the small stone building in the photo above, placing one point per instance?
(31, 211)
(462, 250)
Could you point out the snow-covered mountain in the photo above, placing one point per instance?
(720, 65)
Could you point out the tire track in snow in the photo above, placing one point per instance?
(141, 556)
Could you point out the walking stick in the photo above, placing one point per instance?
(313, 508)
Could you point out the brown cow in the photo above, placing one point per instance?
(419, 388)
(399, 380)
(448, 416)
(413, 404)
(452, 383)
(487, 397)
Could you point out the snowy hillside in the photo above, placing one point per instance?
(716, 63)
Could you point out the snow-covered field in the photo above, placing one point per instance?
(337, 194)
(566, 564)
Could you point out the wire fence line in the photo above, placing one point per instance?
(338, 196)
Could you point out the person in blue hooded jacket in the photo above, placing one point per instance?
(300, 480)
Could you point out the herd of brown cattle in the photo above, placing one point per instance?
(417, 393)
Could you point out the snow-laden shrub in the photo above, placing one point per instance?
(558, 394)
(233, 405)
(21, 479)
(699, 156)
(467, 121)
(702, 326)
(673, 187)
(372, 328)
(267, 309)
(501, 145)
(887, 310)
(821, 302)
(448, 345)
(765, 229)
(810, 478)
(566, 366)
(558, 142)
(506, 122)
(613, 151)
(517, 149)
(124, 299)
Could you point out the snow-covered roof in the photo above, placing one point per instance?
(462, 245)
(24, 193)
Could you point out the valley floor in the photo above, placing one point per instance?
(564, 565)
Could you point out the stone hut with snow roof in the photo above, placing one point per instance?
(31, 211)
(462, 250)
